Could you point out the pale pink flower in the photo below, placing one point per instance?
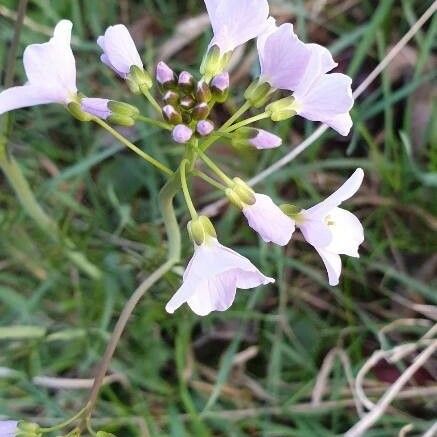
(119, 50)
(333, 231)
(8, 428)
(266, 218)
(262, 139)
(96, 106)
(212, 277)
(236, 22)
(51, 72)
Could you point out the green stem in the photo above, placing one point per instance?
(32, 208)
(247, 121)
(185, 190)
(148, 95)
(166, 197)
(133, 147)
(246, 106)
(65, 423)
(209, 179)
(215, 168)
(153, 122)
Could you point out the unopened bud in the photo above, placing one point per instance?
(220, 87)
(253, 137)
(282, 109)
(187, 102)
(200, 229)
(186, 82)
(171, 115)
(200, 111)
(182, 134)
(171, 98)
(140, 77)
(165, 76)
(76, 111)
(96, 106)
(204, 128)
(203, 92)
(258, 93)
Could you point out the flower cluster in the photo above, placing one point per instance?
(287, 65)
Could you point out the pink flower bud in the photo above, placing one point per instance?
(204, 128)
(182, 134)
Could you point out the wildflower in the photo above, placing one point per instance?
(96, 106)
(204, 127)
(182, 134)
(213, 275)
(165, 76)
(119, 51)
(331, 230)
(258, 138)
(51, 72)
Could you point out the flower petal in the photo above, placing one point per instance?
(266, 218)
(342, 123)
(96, 106)
(332, 263)
(235, 23)
(316, 232)
(25, 96)
(52, 64)
(8, 428)
(120, 50)
(347, 233)
(347, 190)
(265, 140)
(328, 97)
(283, 57)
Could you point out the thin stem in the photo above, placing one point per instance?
(148, 95)
(247, 121)
(153, 122)
(209, 179)
(174, 249)
(185, 189)
(246, 106)
(65, 423)
(214, 167)
(133, 147)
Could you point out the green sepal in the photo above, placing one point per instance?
(76, 111)
(121, 120)
(122, 108)
(282, 109)
(258, 93)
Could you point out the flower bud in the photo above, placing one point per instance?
(165, 76)
(122, 108)
(200, 229)
(253, 137)
(258, 93)
(187, 102)
(140, 77)
(220, 87)
(203, 92)
(182, 134)
(186, 82)
(76, 111)
(171, 115)
(204, 128)
(282, 109)
(200, 111)
(96, 106)
(171, 98)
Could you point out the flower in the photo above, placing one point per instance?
(182, 134)
(8, 428)
(212, 277)
(266, 218)
(51, 72)
(331, 230)
(119, 51)
(96, 106)
(261, 139)
(236, 22)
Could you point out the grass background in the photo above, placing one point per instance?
(249, 371)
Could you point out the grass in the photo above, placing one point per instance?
(250, 371)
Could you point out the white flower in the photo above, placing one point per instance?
(8, 428)
(212, 277)
(119, 50)
(334, 231)
(50, 70)
(266, 218)
(236, 22)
